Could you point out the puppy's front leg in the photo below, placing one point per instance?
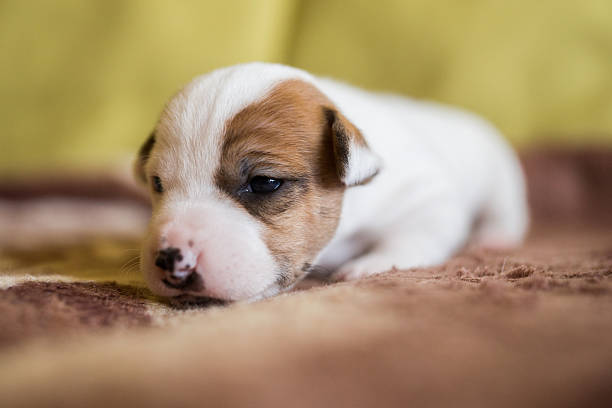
(423, 238)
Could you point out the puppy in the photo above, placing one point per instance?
(259, 173)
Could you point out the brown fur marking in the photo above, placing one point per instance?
(287, 135)
(344, 134)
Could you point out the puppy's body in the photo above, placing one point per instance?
(442, 169)
(367, 182)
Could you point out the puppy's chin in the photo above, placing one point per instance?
(157, 286)
(188, 301)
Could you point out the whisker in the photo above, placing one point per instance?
(130, 266)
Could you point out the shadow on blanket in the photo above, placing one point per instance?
(528, 327)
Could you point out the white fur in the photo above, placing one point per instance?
(225, 245)
(363, 163)
(440, 169)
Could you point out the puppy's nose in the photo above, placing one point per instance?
(167, 258)
(180, 269)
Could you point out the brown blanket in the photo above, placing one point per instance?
(528, 327)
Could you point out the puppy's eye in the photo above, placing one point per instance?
(157, 184)
(263, 184)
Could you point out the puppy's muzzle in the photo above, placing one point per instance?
(179, 274)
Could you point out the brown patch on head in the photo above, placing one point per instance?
(287, 136)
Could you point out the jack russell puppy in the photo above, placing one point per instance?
(260, 173)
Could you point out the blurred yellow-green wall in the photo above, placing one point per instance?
(82, 82)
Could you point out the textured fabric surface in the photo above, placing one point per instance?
(527, 327)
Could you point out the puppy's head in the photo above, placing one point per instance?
(246, 169)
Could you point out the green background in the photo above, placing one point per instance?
(82, 82)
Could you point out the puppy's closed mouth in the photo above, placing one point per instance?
(193, 282)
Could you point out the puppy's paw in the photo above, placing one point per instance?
(362, 267)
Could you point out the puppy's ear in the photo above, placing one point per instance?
(356, 163)
(143, 156)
